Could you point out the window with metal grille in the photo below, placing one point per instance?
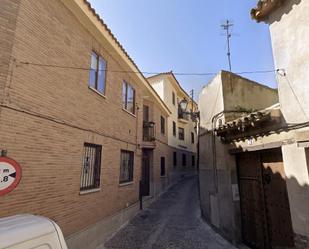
(174, 128)
(181, 133)
(97, 73)
(162, 172)
(90, 177)
(126, 166)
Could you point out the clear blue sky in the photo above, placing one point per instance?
(185, 36)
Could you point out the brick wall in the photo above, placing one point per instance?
(51, 112)
(8, 17)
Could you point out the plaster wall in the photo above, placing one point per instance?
(241, 93)
(169, 90)
(296, 170)
(188, 127)
(218, 172)
(216, 180)
(211, 101)
(158, 86)
(230, 92)
(165, 88)
(290, 38)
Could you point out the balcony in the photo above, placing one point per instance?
(183, 117)
(149, 136)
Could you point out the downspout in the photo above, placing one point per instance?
(214, 149)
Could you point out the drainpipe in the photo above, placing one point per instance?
(214, 149)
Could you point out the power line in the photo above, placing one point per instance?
(283, 73)
(139, 72)
(62, 122)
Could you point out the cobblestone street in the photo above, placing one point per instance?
(171, 222)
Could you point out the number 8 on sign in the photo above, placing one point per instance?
(10, 175)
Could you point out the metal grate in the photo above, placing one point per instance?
(90, 178)
(126, 166)
(149, 131)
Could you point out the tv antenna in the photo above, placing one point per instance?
(226, 26)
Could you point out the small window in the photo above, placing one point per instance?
(193, 161)
(175, 158)
(192, 137)
(90, 177)
(128, 97)
(126, 166)
(184, 160)
(174, 129)
(181, 133)
(173, 98)
(97, 73)
(162, 172)
(162, 125)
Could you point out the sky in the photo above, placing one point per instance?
(185, 36)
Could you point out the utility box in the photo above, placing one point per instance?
(30, 231)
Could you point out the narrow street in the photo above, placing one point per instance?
(171, 222)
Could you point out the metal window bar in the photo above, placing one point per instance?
(91, 168)
(182, 115)
(126, 166)
(149, 131)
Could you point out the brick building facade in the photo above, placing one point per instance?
(78, 138)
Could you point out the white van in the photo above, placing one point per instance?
(30, 232)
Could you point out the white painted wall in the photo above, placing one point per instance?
(289, 28)
(230, 92)
(295, 166)
(211, 101)
(165, 88)
(158, 86)
(174, 141)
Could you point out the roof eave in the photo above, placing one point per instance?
(264, 9)
(116, 44)
(176, 81)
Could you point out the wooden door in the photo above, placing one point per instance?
(253, 217)
(265, 211)
(276, 200)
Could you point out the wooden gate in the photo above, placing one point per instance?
(265, 211)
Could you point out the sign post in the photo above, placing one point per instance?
(10, 175)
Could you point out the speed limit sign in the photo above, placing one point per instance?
(10, 175)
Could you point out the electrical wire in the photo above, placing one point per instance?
(284, 75)
(62, 122)
(138, 72)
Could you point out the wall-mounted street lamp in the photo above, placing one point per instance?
(183, 104)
